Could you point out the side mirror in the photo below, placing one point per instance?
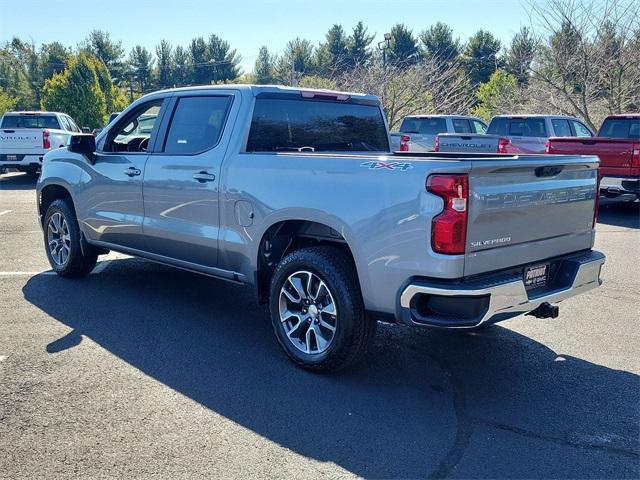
(85, 130)
(84, 144)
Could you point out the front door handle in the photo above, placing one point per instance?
(204, 176)
(132, 172)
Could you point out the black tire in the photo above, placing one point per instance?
(354, 331)
(77, 264)
(34, 173)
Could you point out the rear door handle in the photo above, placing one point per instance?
(132, 172)
(204, 176)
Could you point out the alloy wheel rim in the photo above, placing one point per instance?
(58, 239)
(308, 312)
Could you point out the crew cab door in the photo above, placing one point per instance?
(182, 177)
(110, 196)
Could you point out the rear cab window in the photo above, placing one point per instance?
(30, 121)
(424, 126)
(518, 127)
(287, 123)
(561, 127)
(461, 125)
(620, 128)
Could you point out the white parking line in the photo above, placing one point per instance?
(5, 211)
(25, 274)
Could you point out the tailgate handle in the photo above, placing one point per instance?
(465, 137)
(9, 131)
(588, 142)
(549, 171)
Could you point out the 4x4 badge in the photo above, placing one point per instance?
(387, 165)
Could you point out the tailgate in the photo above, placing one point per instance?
(529, 209)
(615, 153)
(451, 142)
(21, 141)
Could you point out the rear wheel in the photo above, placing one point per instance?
(62, 242)
(317, 310)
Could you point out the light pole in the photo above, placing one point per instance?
(383, 46)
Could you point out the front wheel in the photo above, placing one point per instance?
(317, 310)
(62, 242)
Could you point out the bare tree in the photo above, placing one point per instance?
(426, 87)
(588, 60)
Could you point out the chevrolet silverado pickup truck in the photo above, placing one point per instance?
(418, 132)
(618, 146)
(26, 136)
(514, 134)
(296, 193)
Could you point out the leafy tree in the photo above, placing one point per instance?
(111, 53)
(403, 47)
(77, 92)
(499, 95)
(165, 66)
(53, 58)
(141, 62)
(332, 54)
(182, 67)
(316, 81)
(520, 55)
(115, 100)
(7, 102)
(438, 42)
(199, 62)
(264, 69)
(359, 46)
(481, 55)
(296, 60)
(224, 60)
(15, 77)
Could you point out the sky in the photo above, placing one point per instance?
(246, 24)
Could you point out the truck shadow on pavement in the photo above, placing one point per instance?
(423, 404)
(17, 181)
(622, 212)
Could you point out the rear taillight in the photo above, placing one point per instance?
(596, 205)
(404, 143)
(547, 147)
(436, 145)
(45, 140)
(449, 228)
(635, 157)
(503, 143)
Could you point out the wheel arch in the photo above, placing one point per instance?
(50, 193)
(285, 236)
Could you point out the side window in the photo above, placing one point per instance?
(133, 132)
(461, 125)
(580, 129)
(479, 127)
(561, 127)
(72, 124)
(197, 124)
(65, 124)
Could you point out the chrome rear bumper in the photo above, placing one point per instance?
(499, 297)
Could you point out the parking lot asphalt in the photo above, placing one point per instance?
(144, 371)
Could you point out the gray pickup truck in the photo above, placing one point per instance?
(296, 193)
(514, 134)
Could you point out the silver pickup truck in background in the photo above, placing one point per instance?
(418, 132)
(296, 193)
(514, 134)
(25, 137)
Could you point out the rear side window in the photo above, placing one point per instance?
(621, 128)
(479, 127)
(580, 130)
(197, 124)
(30, 121)
(561, 127)
(285, 125)
(461, 125)
(424, 126)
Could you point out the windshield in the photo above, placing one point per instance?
(425, 126)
